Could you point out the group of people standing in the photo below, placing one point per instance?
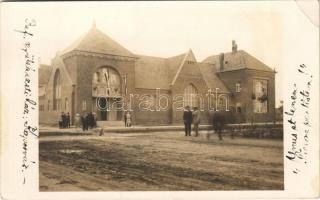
(87, 120)
(217, 119)
(190, 117)
(65, 120)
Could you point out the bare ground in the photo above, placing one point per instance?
(159, 161)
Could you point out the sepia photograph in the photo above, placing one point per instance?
(159, 100)
(115, 119)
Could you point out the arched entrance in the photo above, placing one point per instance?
(106, 93)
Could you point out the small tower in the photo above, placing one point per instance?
(234, 46)
(221, 61)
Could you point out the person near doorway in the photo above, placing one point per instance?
(68, 120)
(128, 119)
(94, 120)
(84, 121)
(196, 120)
(125, 119)
(63, 120)
(187, 119)
(90, 120)
(77, 120)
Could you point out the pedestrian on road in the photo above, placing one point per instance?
(187, 119)
(218, 123)
(196, 120)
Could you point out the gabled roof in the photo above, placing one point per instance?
(58, 62)
(189, 56)
(237, 60)
(208, 72)
(161, 72)
(96, 41)
(44, 72)
(151, 72)
(174, 64)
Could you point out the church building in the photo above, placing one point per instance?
(98, 75)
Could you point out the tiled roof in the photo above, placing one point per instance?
(174, 63)
(237, 60)
(44, 74)
(208, 72)
(97, 42)
(189, 56)
(151, 73)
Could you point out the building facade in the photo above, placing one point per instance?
(96, 74)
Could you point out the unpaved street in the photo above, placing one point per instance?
(159, 161)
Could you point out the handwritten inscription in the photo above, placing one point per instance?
(300, 128)
(30, 129)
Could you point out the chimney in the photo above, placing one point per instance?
(234, 46)
(221, 59)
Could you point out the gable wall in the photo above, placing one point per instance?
(190, 74)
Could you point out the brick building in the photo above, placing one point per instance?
(96, 74)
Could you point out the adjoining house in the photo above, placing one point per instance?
(96, 74)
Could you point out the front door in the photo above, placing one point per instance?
(103, 113)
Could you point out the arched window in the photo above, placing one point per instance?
(191, 96)
(56, 90)
(106, 82)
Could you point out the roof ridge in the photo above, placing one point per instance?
(140, 55)
(97, 41)
(179, 69)
(179, 55)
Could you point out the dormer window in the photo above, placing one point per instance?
(238, 87)
(190, 62)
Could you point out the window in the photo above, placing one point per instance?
(41, 107)
(191, 96)
(260, 96)
(84, 105)
(238, 87)
(238, 107)
(106, 82)
(190, 62)
(56, 91)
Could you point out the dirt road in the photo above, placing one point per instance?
(159, 161)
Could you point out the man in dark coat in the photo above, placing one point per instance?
(63, 120)
(68, 120)
(90, 120)
(84, 121)
(187, 119)
(218, 122)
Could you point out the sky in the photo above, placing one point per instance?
(277, 33)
